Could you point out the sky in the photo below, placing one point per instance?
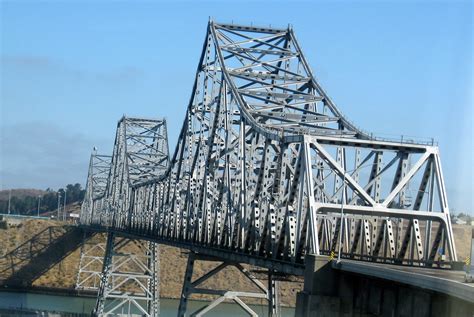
(70, 69)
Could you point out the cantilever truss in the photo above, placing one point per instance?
(267, 167)
(140, 155)
(92, 249)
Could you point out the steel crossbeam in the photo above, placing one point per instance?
(267, 167)
(90, 264)
(194, 286)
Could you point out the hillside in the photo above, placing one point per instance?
(21, 193)
(27, 201)
(173, 263)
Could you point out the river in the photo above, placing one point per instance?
(76, 304)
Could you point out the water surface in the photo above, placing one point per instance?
(77, 304)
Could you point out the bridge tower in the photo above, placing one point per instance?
(129, 278)
(93, 247)
(124, 272)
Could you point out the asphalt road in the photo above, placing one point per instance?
(440, 280)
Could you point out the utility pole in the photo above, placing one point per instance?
(39, 202)
(59, 201)
(9, 200)
(64, 205)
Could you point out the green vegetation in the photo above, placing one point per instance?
(25, 202)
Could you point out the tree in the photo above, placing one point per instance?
(28, 205)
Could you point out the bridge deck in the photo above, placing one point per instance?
(439, 280)
(444, 281)
(220, 253)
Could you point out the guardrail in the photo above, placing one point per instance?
(23, 216)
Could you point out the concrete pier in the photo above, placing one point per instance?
(331, 291)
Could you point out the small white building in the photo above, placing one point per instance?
(458, 221)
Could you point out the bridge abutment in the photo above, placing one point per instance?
(320, 292)
(332, 292)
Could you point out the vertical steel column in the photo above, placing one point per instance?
(154, 284)
(183, 300)
(104, 280)
(273, 296)
(130, 279)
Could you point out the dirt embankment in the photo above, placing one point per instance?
(173, 264)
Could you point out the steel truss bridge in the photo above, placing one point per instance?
(266, 170)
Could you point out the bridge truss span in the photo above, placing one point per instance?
(267, 167)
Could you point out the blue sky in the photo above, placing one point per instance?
(71, 69)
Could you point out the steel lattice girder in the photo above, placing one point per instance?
(267, 167)
(90, 264)
(190, 286)
(130, 279)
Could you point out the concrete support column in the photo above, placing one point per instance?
(329, 292)
(319, 297)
